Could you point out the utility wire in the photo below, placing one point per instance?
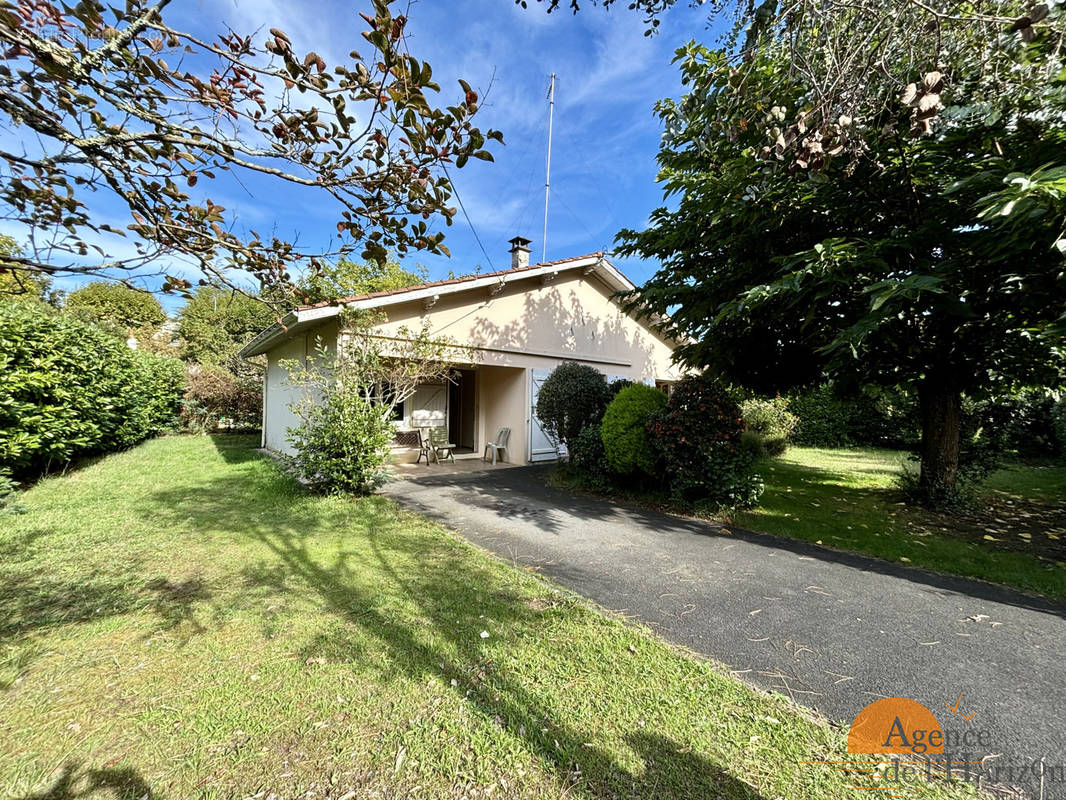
(473, 230)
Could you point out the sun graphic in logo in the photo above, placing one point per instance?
(895, 725)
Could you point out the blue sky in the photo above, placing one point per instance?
(606, 136)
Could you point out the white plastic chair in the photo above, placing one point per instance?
(497, 447)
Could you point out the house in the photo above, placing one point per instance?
(521, 323)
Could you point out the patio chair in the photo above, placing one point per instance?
(424, 448)
(499, 446)
(439, 444)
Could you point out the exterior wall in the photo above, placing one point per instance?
(279, 394)
(503, 394)
(532, 325)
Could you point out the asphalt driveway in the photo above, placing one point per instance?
(831, 630)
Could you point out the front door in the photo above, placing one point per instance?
(541, 446)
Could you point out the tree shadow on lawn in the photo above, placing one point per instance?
(449, 586)
(524, 494)
(34, 603)
(73, 783)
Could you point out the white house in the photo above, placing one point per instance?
(520, 322)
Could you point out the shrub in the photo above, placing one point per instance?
(770, 421)
(826, 418)
(588, 460)
(625, 429)
(1058, 423)
(699, 435)
(821, 418)
(216, 398)
(573, 397)
(617, 385)
(1020, 424)
(342, 441)
(70, 389)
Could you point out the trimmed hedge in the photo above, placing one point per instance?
(624, 429)
(70, 389)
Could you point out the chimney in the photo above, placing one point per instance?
(520, 252)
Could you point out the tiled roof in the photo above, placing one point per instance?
(451, 281)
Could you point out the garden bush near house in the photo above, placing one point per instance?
(216, 398)
(588, 461)
(571, 398)
(342, 441)
(624, 430)
(698, 435)
(770, 421)
(69, 389)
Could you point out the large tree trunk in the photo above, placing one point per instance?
(941, 409)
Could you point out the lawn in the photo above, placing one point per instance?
(1015, 535)
(182, 620)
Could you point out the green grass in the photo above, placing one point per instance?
(182, 620)
(846, 499)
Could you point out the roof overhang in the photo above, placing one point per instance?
(303, 319)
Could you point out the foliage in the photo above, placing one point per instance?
(699, 437)
(571, 398)
(342, 442)
(830, 416)
(804, 245)
(625, 430)
(588, 461)
(69, 389)
(1021, 424)
(118, 103)
(9, 501)
(347, 278)
(770, 421)
(1058, 422)
(20, 284)
(115, 306)
(617, 385)
(215, 323)
(215, 398)
(347, 399)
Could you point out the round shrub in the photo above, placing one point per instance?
(699, 438)
(625, 429)
(70, 389)
(570, 399)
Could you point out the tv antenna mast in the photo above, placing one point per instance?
(548, 171)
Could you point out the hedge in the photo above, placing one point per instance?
(70, 389)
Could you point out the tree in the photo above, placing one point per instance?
(215, 323)
(20, 284)
(875, 247)
(117, 103)
(347, 278)
(115, 306)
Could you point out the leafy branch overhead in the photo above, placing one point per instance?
(116, 104)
